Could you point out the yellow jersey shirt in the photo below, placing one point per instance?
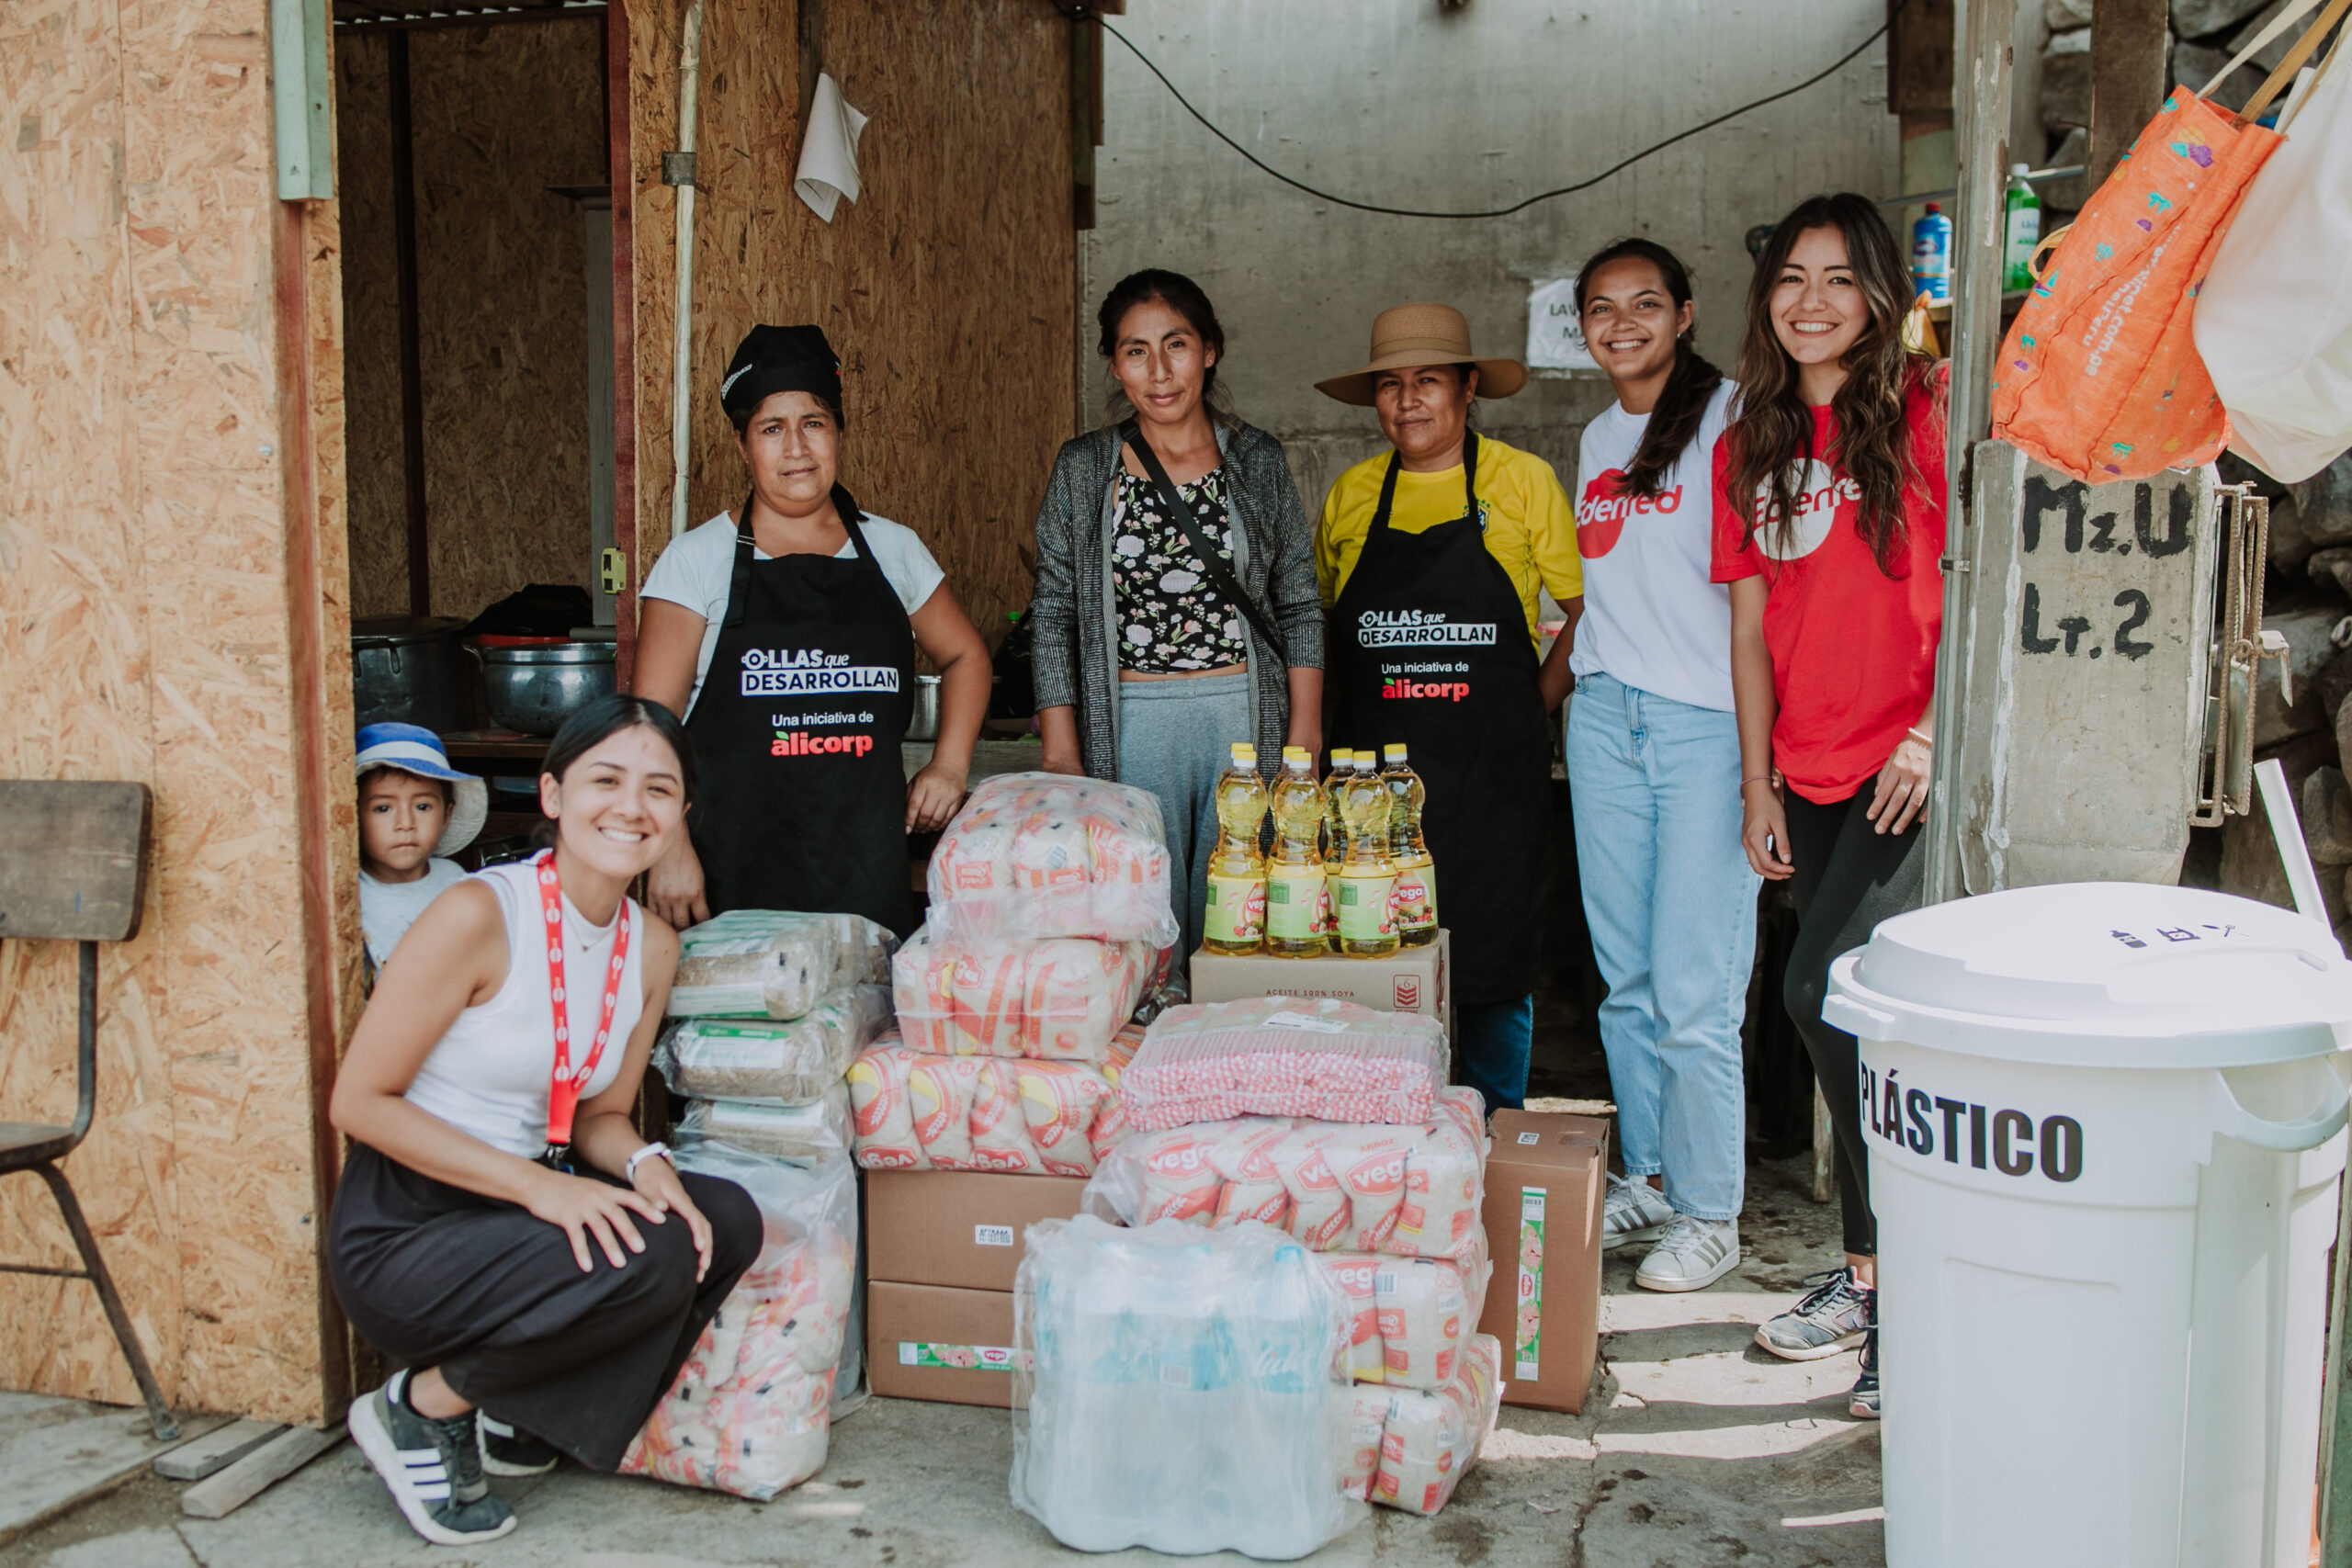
(1524, 515)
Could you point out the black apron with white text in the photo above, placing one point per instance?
(1429, 648)
(796, 735)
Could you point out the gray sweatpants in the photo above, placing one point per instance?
(1174, 739)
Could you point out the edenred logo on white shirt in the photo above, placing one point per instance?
(1821, 500)
(1603, 512)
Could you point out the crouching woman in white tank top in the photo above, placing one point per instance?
(501, 1230)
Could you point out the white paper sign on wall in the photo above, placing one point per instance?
(1554, 338)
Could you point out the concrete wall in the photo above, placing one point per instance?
(1402, 104)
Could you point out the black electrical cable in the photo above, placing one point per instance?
(1623, 164)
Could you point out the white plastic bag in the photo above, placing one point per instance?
(773, 962)
(918, 1111)
(2274, 317)
(1062, 998)
(782, 1062)
(1335, 1061)
(1409, 1448)
(1044, 855)
(1179, 1390)
(802, 1135)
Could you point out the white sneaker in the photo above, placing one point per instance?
(1634, 1210)
(1692, 1255)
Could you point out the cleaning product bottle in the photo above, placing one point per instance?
(1335, 843)
(1236, 912)
(1367, 877)
(2020, 229)
(1297, 891)
(1931, 254)
(1416, 872)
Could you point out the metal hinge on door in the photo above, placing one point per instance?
(2225, 770)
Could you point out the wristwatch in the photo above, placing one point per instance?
(650, 1151)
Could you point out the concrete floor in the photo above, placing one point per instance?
(1695, 1449)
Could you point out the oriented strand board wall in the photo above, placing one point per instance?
(946, 287)
(498, 115)
(156, 535)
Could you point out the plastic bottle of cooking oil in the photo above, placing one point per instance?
(1367, 877)
(1335, 843)
(1296, 892)
(1236, 912)
(1416, 872)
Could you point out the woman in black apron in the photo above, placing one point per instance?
(1431, 645)
(786, 633)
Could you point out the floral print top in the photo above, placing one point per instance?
(1171, 617)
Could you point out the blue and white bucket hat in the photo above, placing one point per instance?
(413, 748)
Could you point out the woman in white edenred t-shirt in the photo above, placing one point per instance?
(1829, 522)
(1652, 757)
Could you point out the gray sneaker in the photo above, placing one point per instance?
(1692, 1255)
(1835, 1313)
(433, 1468)
(1634, 1210)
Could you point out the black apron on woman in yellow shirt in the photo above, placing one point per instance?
(1429, 648)
(796, 735)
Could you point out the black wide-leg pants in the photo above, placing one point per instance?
(436, 1276)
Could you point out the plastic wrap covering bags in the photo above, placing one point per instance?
(1046, 855)
(751, 1411)
(1180, 1390)
(783, 1062)
(1409, 1318)
(1062, 999)
(1284, 1057)
(802, 1135)
(773, 964)
(1409, 1448)
(1404, 1191)
(917, 1111)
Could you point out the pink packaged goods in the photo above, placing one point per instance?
(1331, 1060)
(1401, 1191)
(920, 1111)
(1409, 1448)
(1061, 999)
(1408, 1317)
(1048, 855)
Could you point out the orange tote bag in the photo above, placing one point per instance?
(2099, 377)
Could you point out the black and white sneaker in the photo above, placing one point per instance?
(509, 1450)
(433, 1468)
(1863, 1400)
(1836, 1311)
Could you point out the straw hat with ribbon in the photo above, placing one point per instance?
(1407, 336)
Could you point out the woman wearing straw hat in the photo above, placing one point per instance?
(1432, 558)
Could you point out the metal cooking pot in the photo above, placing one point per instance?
(535, 687)
(410, 670)
(923, 723)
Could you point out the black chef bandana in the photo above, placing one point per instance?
(780, 359)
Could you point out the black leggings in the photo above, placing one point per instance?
(1849, 878)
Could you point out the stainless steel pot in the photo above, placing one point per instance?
(923, 723)
(535, 689)
(410, 670)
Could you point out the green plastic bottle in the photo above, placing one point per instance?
(2020, 230)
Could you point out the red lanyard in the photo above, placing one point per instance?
(564, 1085)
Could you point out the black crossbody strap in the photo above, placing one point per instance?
(1213, 564)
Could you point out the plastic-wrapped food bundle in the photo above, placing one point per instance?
(1181, 1393)
(773, 962)
(783, 1062)
(1063, 998)
(1408, 1317)
(1405, 1192)
(804, 1134)
(1409, 1448)
(1334, 1061)
(1047, 854)
(751, 1412)
(917, 1111)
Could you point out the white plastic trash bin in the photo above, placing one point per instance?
(2105, 1121)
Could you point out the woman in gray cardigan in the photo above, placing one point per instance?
(1147, 669)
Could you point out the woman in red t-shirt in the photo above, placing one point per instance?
(1829, 522)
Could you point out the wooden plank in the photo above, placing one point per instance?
(1918, 58)
(73, 858)
(56, 1454)
(403, 152)
(2128, 78)
(624, 264)
(224, 1494)
(215, 1451)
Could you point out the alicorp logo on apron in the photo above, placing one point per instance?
(809, 672)
(1420, 628)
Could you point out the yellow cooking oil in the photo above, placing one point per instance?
(1335, 844)
(1367, 877)
(1296, 892)
(1416, 872)
(1236, 911)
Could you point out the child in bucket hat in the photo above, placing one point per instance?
(414, 810)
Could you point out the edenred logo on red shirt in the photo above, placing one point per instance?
(1603, 512)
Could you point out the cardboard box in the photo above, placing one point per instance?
(1413, 981)
(1546, 1180)
(938, 1342)
(960, 1228)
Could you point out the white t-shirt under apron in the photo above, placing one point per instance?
(1651, 618)
(699, 567)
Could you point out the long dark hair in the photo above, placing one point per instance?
(609, 716)
(1180, 294)
(1683, 402)
(1773, 431)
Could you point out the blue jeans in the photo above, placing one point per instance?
(1494, 1038)
(1671, 904)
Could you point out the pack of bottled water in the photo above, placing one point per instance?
(1182, 1389)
